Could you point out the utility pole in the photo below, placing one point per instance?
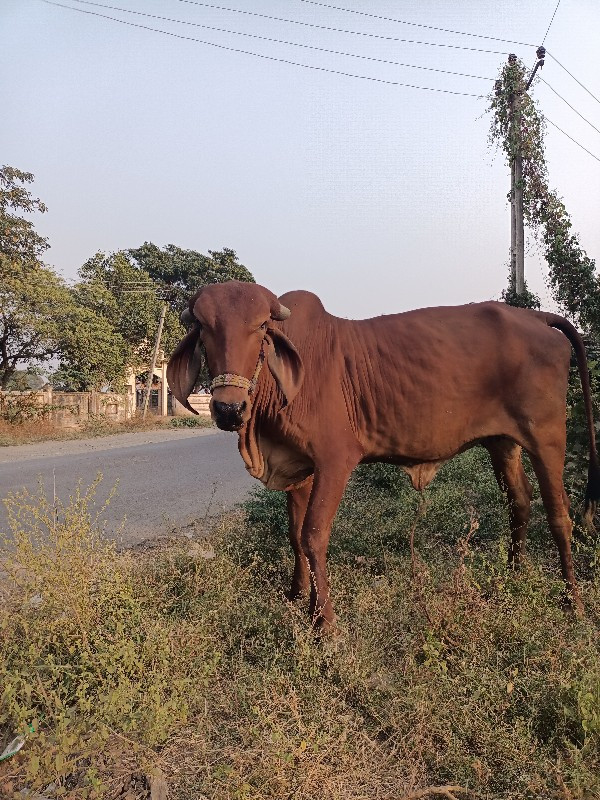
(517, 227)
(150, 377)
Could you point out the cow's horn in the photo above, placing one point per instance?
(282, 313)
(187, 318)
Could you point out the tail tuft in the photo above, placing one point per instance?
(592, 494)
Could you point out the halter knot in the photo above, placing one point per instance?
(231, 379)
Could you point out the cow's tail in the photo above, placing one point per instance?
(592, 493)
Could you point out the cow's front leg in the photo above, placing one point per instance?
(328, 487)
(297, 503)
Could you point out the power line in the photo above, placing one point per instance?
(337, 30)
(570, 106)
(261, 55)
(573, 76)
(445, 30)
(283, 41)
(551, 21)
(571, 138)
(414, 24)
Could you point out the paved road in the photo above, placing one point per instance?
(166, 478)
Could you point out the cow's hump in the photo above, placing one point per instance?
(305, 303)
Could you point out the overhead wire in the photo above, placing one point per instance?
(413, 24)
(335, 30)
(570, 137)
(305, 66)
(262, 55)
(375, 36)
(570, 106)
(445, 30)
(283, 41)
(551, 21)
(572, 76)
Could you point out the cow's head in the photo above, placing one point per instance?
(232, 327)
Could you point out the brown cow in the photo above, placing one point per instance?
(412, 389)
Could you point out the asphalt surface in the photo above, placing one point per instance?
(165, 480)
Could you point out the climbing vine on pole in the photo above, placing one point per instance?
(571, 272)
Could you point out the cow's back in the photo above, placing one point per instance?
(421, 384)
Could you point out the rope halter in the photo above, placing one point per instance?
(231, 379)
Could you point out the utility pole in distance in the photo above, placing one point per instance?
(517, 226)
(150, 377)
(517, 232)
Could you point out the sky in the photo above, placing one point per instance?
(377, 197)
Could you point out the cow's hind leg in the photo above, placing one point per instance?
(297, 501)
(512, 480)
(548, 466)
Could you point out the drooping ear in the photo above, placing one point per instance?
(184, 366)
(285, 363)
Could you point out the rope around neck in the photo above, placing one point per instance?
(231, 379)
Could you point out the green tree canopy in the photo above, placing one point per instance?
(34, 305)
(33, 299)
(128, 289)
(93, 354)
(182, 272)
(106, 323)
(18, 238)
(124, 294)
(41, 317)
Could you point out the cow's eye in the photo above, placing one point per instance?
(263, 327)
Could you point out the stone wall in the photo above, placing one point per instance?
(68, 409)
(199, 402)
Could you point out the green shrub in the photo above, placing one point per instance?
(191, 422)
(23, 407)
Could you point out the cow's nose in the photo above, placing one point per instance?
(228, 409)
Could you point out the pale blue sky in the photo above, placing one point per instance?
(379, 198)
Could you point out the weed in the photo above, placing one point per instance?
(191, 422)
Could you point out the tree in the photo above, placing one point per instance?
(128, 289)
(107, 322)
(18, 238)
(33, 299)
(34, 305)
(182, 272)
(571, 272)
(130, 301)
(93, 354)
(40, 316)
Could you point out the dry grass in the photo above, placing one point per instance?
(42, 430)
(451, 675)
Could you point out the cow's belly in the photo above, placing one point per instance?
(431, 433)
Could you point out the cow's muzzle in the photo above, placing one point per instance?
(228, 416)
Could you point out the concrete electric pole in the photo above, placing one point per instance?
(517, 226)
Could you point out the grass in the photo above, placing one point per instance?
(41, 430)
(186, 664)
